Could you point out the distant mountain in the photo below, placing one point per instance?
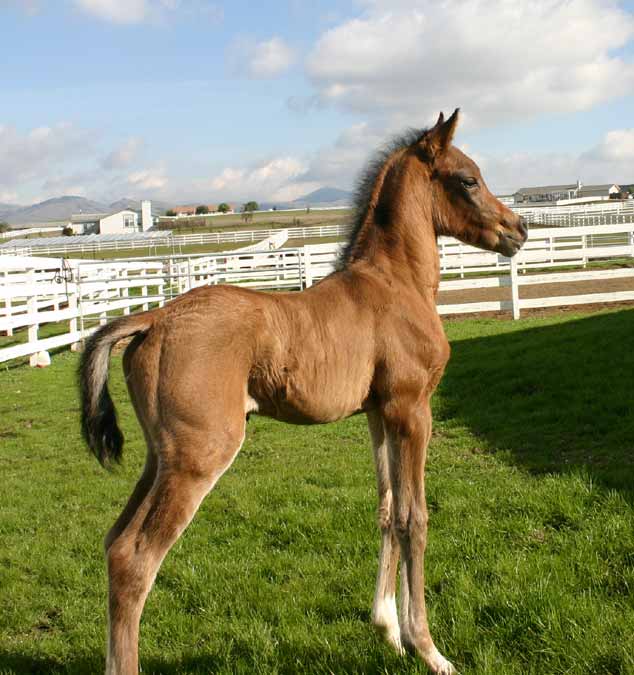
(62, 208)
(326, 196)
(7, 208)
(59, 208)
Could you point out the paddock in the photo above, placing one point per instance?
(529, 565)
(46, 303)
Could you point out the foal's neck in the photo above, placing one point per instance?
(397, 236)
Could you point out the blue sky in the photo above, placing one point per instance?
(189, 100)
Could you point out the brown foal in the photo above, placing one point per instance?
(365, 339)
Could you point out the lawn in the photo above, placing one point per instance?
(530, 565)
(259, 220)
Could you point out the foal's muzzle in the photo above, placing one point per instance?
(512, 238)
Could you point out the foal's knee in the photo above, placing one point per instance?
(410, 524)
(384, 514)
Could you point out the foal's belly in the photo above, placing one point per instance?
(310, 400)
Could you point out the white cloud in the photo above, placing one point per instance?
(610, 161)
(35, 154)
(616, 146)
(137, 11)
(117, 11)
(501, 60)
(273, 179)
(270, 58)
(50, 161)
(260, 60)
(148, 179)
(124, 155)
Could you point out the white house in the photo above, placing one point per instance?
(118, 222)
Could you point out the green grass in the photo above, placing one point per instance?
(183, 250)
(263, 220)
(530, 565)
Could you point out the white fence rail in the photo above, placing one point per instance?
(72, 297)
(94, 244)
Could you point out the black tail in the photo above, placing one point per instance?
(98, 416)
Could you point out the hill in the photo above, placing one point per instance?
(58, 208)
(326, 196)
(62, 208)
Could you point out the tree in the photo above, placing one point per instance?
(202, 210)
(68, 231)
(250, 206)
(4, 226)
(224, 207)
(170, 212)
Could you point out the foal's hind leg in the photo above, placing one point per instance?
(185, 475)
(384, 615)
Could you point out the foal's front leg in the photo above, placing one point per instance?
(408, 429)
(384, 615)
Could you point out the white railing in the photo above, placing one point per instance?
(32, 230)
(94, 244)
(38, 291)
(611, 212)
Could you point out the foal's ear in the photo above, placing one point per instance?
(439, 137)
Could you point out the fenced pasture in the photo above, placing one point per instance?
(550, 271)
(99, 246)
(530, 564)
(266, 219)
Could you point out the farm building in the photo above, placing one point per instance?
(555, 193)
(117, 222)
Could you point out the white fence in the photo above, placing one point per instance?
(611, 212)
(32, 230)
(72, 297)
(95, 244)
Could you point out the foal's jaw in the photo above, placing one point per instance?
(511, 238)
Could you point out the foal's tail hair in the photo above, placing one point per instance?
(98, 417)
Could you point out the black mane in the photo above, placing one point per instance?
(366, 181)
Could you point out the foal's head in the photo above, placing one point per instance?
(462, 205)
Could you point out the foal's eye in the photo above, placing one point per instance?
(469, 182)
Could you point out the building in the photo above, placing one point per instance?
(603, 191)
(118, 222)
(556, 193)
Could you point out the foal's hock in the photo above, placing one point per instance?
(366, 339)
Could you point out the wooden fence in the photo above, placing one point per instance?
(67, 299)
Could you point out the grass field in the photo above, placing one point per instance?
(530, 565)
(259, 220)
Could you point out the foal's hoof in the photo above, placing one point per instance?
(439, 665)
(391, 635)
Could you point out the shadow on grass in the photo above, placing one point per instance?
(557, 398)
(288, 661)
(42, 665)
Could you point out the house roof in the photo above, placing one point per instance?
(94, 217)
(546, 188)
(606, 186)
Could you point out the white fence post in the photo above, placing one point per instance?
(32, 310)
(308, 272)
(72, 324)
(7, 305)
(515, 295)
(125, 291)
